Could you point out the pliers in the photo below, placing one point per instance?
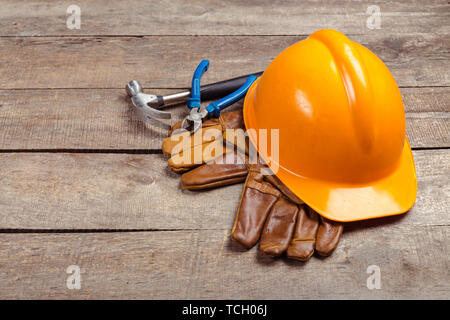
(196, 116)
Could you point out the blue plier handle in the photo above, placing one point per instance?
(195, 118)
(215, 107)
(194, 100)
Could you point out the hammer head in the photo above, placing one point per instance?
(142, 102)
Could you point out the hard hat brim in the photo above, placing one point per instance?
(392, 195)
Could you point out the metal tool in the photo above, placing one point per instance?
(195, 118)
(148, 106)
(142, 102)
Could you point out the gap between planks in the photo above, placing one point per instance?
(135, 151)
(175, 88)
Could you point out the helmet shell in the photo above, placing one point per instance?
(341, 124)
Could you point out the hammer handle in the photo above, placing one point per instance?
(220, 89)
(212, 91)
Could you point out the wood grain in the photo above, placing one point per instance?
(168, 61)
(121, 215)
(104, 120)
(122, 191)
(214, 17)
(206, 265)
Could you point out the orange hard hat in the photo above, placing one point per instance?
(342, 143)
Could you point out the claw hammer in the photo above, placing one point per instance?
(149, 105)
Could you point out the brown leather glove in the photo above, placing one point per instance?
(188, 150)
(268, 211)
(230, 169)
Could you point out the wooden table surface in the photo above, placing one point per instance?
(82, 182)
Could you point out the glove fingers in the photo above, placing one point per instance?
(180, 142)
(303, 242)
(171, 142)
(279, 227)
(256, 201)
(197, 155)
(328, 236)
(232, 170)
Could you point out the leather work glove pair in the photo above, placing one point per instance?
(268, 211)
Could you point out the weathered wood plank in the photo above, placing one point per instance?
(189, 255)
(214, 17)
(205, 265)
(103, 119)
(122, 191)
(76, 119)
(168, 62)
